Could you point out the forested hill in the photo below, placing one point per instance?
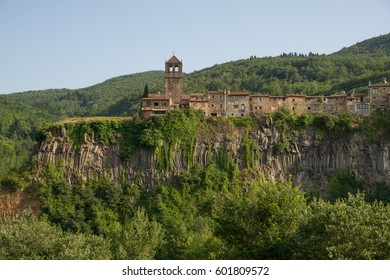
(310, 73)
(376, 46)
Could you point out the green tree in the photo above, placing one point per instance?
(255, 222)
(139, 238)
(29, 238)
(343, 183)
(146, 91)
(350, 228)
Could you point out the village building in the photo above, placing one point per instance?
(379, 95)
(225, 103)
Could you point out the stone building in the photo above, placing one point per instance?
(232, 104)
(379, 95)
(174, 79)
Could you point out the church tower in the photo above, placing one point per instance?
(174, 78)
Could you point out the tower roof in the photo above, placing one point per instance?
(173, 59)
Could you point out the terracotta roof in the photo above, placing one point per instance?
(173, 59)
(380, 85)
(156, 95)
(155, 98)
(239, 93)
(197, 94)
(295, 95)
(259, 95)
(360, 94)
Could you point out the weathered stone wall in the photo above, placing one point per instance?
(309, 160)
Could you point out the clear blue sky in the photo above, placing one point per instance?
(78, 43)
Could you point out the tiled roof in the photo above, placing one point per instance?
(379, 85)
(173, 59)
(155, 98)
(239, 93)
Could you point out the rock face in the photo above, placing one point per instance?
(307, 158)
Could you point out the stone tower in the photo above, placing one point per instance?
(174, 78)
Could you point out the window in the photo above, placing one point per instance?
(255, 107)
(242, 107)
(308, 108)
(220, 96)
(243, 97)
(155, 103)
(212, 96)
(261, 107)
(164, 103)
(361, 106)
(212, 105)
(293, 108)
(220, 105)
(235, 106)
(147, 103)
(293, 99)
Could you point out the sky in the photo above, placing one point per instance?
(78, 43)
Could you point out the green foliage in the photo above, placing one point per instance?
(342, 184)
(166, 134)
(139, 238)
(105, 131)
(377, 126)
(254, 223)
(380, 192)
(248, 152)
(206, 215)
(242, 121)
(29, 238)
(349, 229)
(330, 124)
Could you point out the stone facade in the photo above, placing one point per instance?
(231, 104)
(174, 78)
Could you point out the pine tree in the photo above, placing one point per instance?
(146, 91)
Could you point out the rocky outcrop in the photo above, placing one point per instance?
(307, 158)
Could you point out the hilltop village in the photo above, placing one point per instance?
(226, 103)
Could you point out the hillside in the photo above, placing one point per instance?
(312, 74)
(378, 46)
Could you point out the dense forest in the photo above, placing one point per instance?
(213, 212)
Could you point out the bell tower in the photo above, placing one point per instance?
(174, 78)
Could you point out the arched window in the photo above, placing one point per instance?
(170, 70)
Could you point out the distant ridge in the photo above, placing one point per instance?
(375, 46)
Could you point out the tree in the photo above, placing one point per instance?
(146, 91)
(139, 238)
(255, 222)
(350, 228)
(29, 238)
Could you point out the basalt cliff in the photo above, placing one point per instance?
(306, 157)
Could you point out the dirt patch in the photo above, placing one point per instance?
(12, 202)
